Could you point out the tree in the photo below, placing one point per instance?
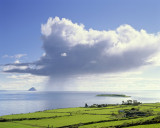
(129, 101)
(86, 105)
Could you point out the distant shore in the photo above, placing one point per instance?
(113, 95)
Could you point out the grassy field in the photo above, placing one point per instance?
(140, 116)
(147, 126)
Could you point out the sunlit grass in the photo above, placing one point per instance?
(81, 117)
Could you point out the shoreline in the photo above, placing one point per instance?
(112, 95)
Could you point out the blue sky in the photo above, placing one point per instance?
(20, 30)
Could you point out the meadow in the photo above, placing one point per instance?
(115, 116)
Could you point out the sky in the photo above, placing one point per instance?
(82, 45)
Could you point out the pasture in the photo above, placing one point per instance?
(139, 116)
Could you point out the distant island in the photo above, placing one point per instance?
(32, 89)
(113, 95)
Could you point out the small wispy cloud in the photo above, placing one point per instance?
(23, 81)
(17, 56)
(63, 54)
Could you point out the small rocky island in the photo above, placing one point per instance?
(113, 95)
(32, 89)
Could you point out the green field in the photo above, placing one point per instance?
(139, 116)
(147, 126)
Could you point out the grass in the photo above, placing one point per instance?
(116, 123)
(83, 117)
(14, 125)
(147, 126)
(36, 115)
(65, 110)
(65, 121)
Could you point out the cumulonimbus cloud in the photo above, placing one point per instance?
(70, 49)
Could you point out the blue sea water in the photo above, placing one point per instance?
(15, 102)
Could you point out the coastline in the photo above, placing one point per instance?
(113, 95)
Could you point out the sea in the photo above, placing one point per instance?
(17, 102)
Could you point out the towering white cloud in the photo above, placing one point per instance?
(70, 49)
